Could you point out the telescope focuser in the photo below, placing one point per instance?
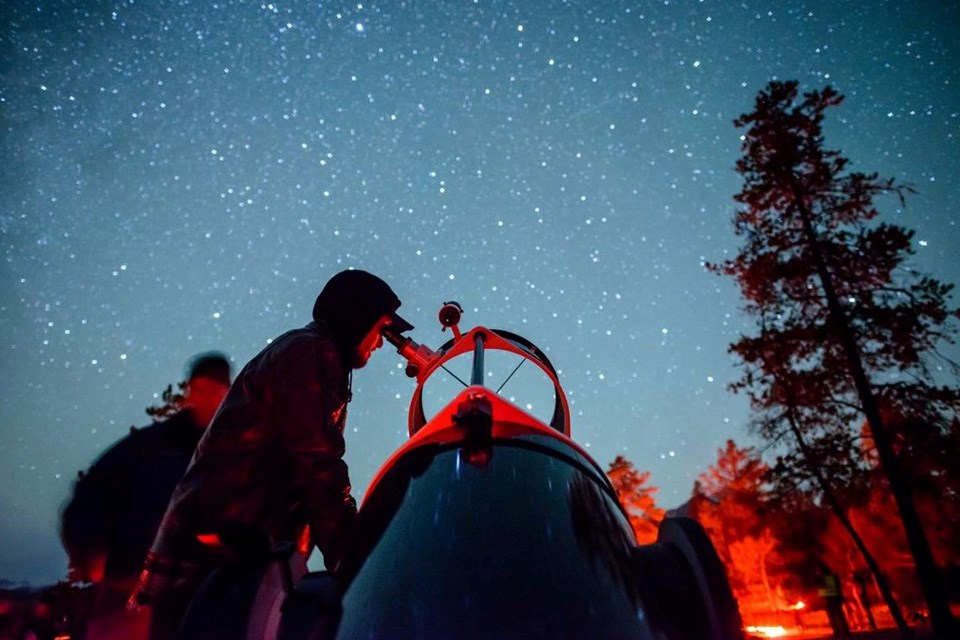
(449, 316)
(418, 356)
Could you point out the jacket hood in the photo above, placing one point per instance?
(350, 304)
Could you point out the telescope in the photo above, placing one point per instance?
(488, 522)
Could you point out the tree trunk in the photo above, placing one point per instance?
(838, 510)
(765, 579)
(864, 595)
(928, 574)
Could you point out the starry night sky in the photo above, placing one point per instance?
(184, 176)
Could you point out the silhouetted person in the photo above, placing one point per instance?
(272, 460)
(833, 599)
(117, 505)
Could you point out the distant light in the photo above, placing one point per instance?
(123, 356)
(359, 26)
(216, 315)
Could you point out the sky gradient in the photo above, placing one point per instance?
(184, 176)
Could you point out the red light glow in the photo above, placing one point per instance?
(768, 632)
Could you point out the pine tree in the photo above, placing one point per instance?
(637, 499)
(731, 512)
(738, 472)
(173, 402)
(845, 326)
(736, 484)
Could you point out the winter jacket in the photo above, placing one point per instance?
(270, 461)
(117, 505)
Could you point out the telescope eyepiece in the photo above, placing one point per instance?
(393, 337)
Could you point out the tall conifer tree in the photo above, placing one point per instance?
(846, 329)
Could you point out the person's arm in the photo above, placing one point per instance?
(307, 404)
(179, 557)
(88, 520)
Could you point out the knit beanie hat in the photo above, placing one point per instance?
(351, 303)
(212, 364)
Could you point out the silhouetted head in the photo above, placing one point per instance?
(208, 380)
(355, 306)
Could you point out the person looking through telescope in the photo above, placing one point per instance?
(271, 462)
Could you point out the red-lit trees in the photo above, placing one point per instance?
(729, 502)
(733, 485)
(637, 498)
(845, 326)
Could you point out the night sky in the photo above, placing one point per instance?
(184, 176)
